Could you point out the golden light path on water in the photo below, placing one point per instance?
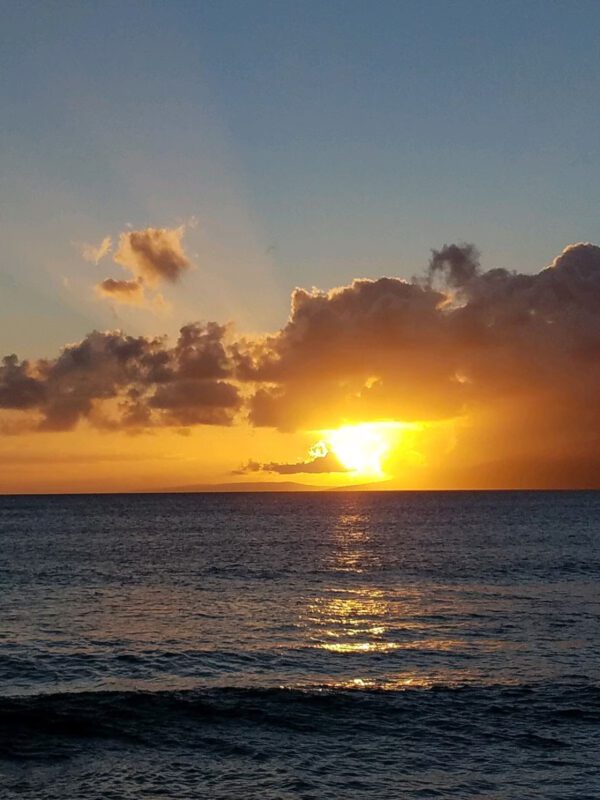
(355, 616)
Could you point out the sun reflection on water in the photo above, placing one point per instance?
(347, 618)
(354, 550)
(360, 613)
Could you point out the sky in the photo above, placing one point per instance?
(169, 165)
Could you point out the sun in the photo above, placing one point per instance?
(371, 449)
(361, 448)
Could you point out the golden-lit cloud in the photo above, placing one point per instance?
(128, 292)
(492, 376)
(153, 256)
(388, 349)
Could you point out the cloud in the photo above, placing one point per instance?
(153, 255)
(118, 381)
(458, 263)
(368, 350)
(95, 253)
(19, 389)
(128, 292)
(320, 464)
(201, 351)
(193, 402)
(387, 348)
(514, 356)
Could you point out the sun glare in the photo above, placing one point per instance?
(361, 448)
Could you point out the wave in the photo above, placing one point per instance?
(60, 725)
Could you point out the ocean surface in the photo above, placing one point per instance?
(330, 645)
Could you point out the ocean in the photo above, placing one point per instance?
(319, 645)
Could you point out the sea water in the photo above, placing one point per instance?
(309, 645)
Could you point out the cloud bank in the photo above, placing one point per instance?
(117, 381)
(514, 356)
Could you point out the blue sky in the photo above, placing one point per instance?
(310, 143)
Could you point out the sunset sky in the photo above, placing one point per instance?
(332, 243)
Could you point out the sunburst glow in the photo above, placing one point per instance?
(362, 448)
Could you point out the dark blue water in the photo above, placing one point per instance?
(394, 645)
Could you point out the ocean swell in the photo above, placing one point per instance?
(45, 726)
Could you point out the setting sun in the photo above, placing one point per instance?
(362, 448)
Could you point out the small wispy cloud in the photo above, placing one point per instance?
(95, 253)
